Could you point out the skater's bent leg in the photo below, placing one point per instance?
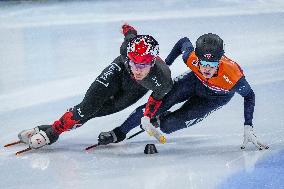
(181, 91)
(183, 88)
(192, 112)
(133, 120)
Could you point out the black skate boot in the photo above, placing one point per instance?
(113, 136)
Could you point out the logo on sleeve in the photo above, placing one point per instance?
(105, 75)
(80, 112)
(156, 81)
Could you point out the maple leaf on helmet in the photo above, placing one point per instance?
(143, 49)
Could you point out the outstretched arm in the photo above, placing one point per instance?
(244, 89)
(184, 47)
(129, 33)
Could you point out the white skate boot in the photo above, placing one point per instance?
(38, 140)
(25, 135)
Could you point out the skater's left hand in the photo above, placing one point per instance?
(249, 136)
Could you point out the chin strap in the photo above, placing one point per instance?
(152, 107)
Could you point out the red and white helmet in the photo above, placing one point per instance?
(143, 49)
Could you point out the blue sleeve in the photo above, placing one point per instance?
(244, 89)
(184, 47)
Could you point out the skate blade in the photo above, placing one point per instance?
(22, 151)
(12, 143)
(90, 147)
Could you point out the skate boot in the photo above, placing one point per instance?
(39, 140)
(25, 135)
(113, 136)
(45, 136)
(38, 136)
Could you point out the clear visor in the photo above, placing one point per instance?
(211, 64)
(140, 66)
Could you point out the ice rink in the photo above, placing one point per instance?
(51, 51)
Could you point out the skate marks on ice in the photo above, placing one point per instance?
(191, 145)
(226, 147)
(251, 155)
(186, 160)
(264, 174)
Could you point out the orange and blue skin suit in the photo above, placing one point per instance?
(200, 96)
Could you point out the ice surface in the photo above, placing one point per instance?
(50, 52)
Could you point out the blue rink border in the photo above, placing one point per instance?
(268, 174)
